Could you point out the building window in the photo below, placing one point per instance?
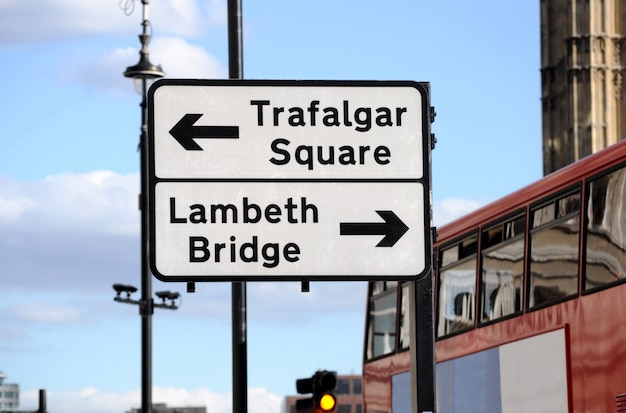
(344, 408)
(343, 386)
(357, 386)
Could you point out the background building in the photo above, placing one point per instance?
(583, 61)
(349, 396)
(9, 395)
(162, 408)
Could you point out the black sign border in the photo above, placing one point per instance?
(422, 87)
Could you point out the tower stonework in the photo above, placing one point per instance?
(583, 61)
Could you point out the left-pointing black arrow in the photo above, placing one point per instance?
(185, 132)
(393, 228)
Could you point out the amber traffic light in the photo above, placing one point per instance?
(321, 386)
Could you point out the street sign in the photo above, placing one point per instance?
(288, 180)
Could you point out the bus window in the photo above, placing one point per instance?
(405, 318)
(554, 250)
(381, 323)
(457, 285)
(501, 277)
(606, 230)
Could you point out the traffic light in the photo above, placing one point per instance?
(322, 387)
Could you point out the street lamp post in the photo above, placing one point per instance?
(142, 73)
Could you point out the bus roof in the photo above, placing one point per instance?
(562, 178)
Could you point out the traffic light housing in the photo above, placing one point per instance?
(321, 386)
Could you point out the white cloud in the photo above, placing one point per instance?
(90, 400)
(275, 301)
(96, 63)
(41, 21)
(183, 60)
(187, 18)
(11, 208)
(100, 201)
(44, 312)
(323, 298)
(179, 59)
(102, 72)
(47, 20)
(12, 333)
(69, 232)
(450, 209)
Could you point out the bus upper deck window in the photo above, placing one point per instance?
(405, 318)
(605, 261)
(502, 272)
(381, 321)
(457, 287)
(554, 250)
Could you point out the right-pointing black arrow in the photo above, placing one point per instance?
(393, 228)
(185, 132)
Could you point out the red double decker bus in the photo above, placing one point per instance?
(530, 303)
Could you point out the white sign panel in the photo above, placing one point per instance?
(276, 180)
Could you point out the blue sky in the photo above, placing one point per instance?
(69, 179)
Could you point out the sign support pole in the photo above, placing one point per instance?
(239, 325)
(423, 394)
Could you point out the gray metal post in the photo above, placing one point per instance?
(423, 347)
(145, 308)
(422, 330)
(239, 332)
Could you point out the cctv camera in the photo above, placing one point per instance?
(163, 294)
(123, 288)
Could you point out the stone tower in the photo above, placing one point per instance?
(583, 61)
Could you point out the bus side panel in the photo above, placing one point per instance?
(470, 384)
(534, 374)
(599, 352)
(401, 393)
(529, 375)
(377, 383)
